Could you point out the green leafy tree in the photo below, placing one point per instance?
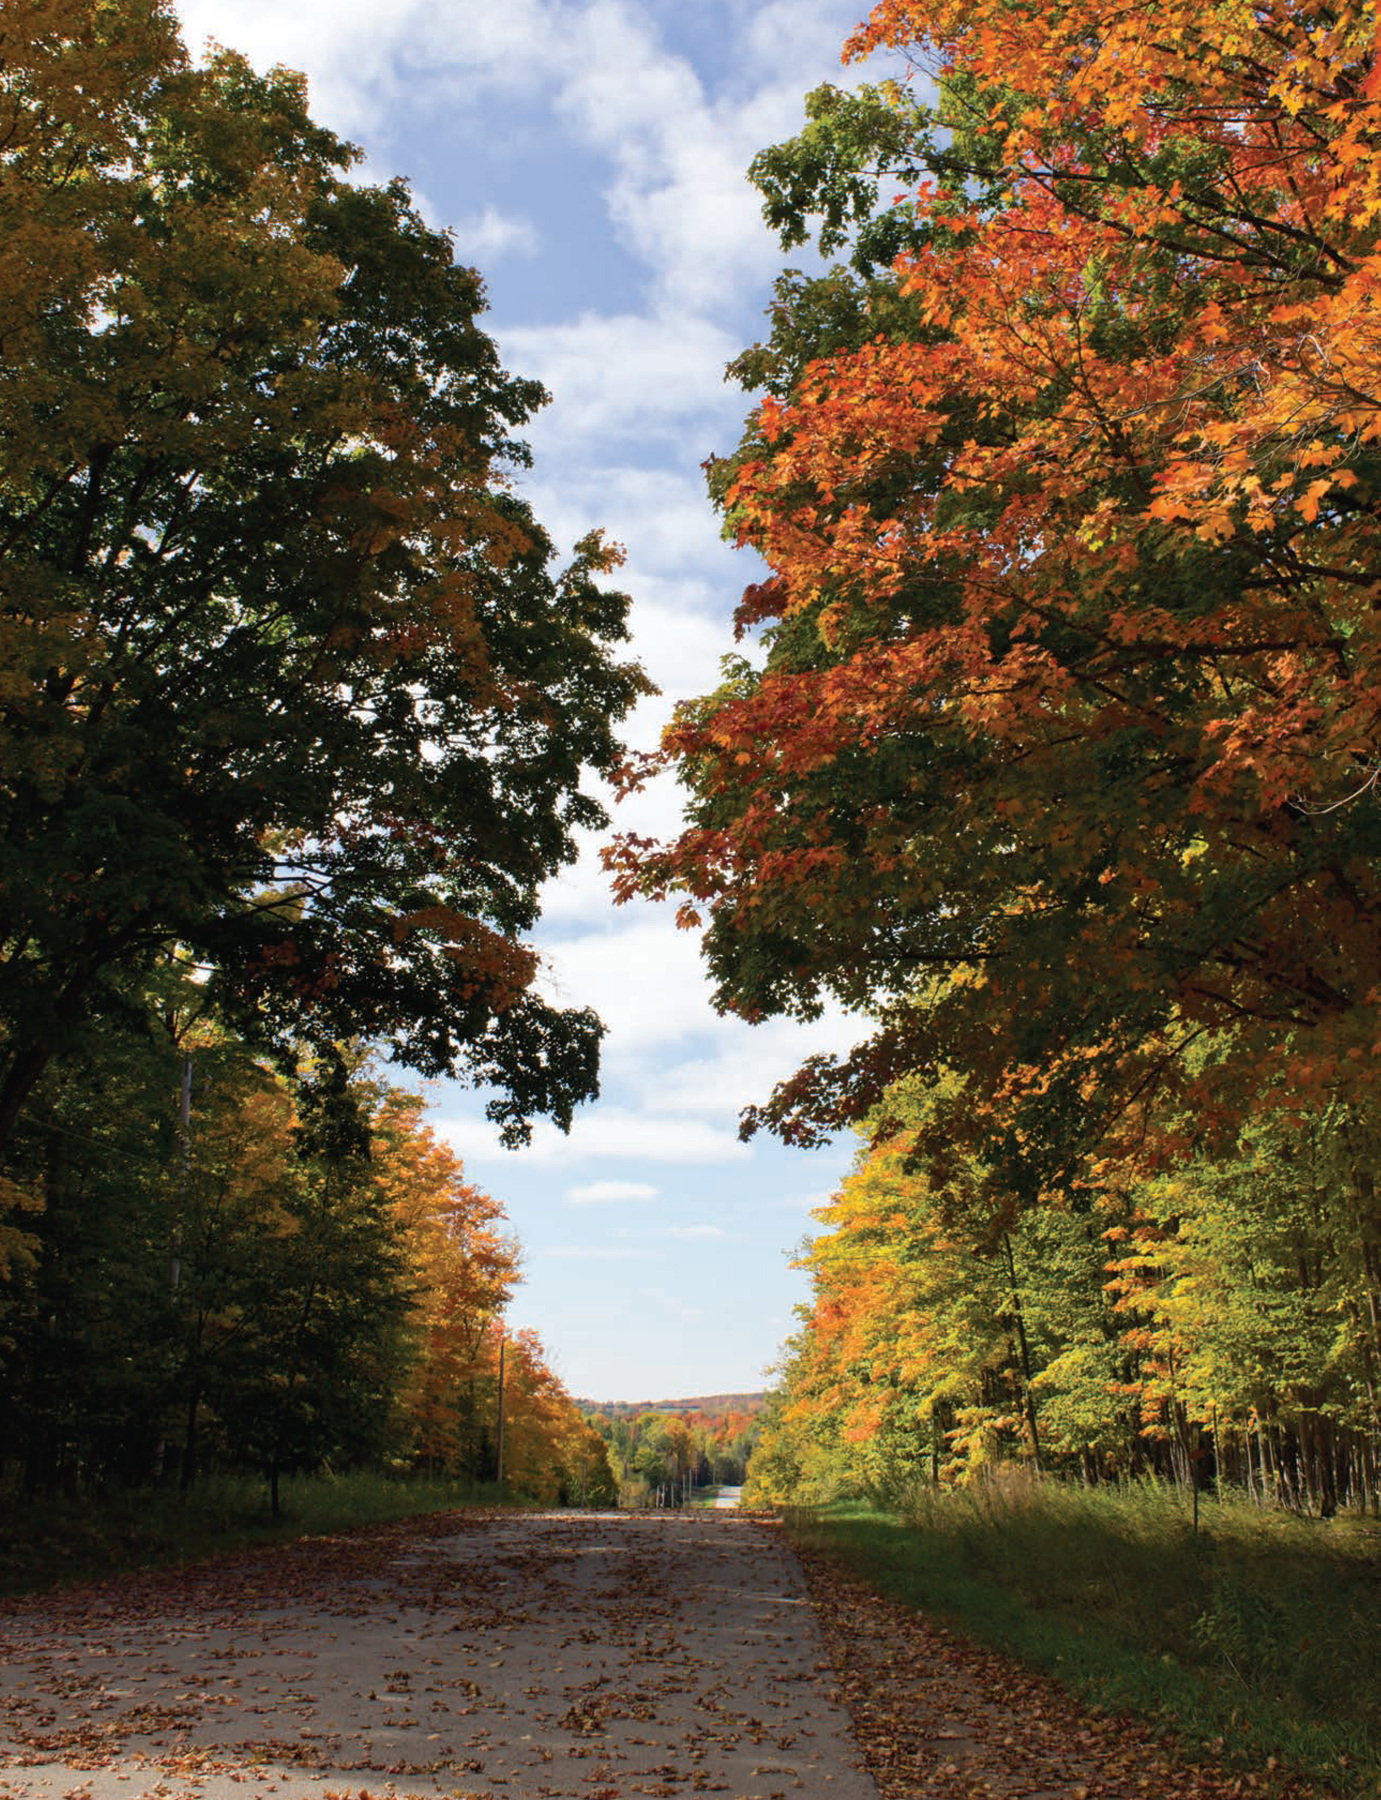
(287, 676)
(88, 1366)
(327, 1300)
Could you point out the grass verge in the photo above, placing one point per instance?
(52, 1541)
(1256, 1639)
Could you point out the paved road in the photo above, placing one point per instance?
(531, 1656)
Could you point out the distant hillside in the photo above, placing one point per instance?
(714, 1406)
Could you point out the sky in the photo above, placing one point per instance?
(589, 157)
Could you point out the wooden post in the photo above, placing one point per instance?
(184, 1144)
(500, 1426)
(184, 1119)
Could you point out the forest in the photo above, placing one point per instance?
(298, 702)
(1051, 750)
(669, 1453)
(1046, 754)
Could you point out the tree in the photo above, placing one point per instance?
(224, 1290)
(268, 1280)
(465, 1265)
(1060, 754)
(288, 680)
(1214, 1323)
(90, 1350)
(548, 1448)
(325, 1293)
(1254, 1317)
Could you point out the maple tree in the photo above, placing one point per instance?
(550, 1451)
(466, 1265)
(289, 679)
(1058, 755)
(269, 1281)
(1214, 1324)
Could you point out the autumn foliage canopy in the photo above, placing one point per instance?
(1060, 757)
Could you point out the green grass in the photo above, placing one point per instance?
(1259, 1637)
(48, 1541)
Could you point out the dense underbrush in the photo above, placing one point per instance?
(46, 1540)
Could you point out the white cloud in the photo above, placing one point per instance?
(579, 895)
(606, 1131)
(492, 235)
(681, 652)
(746, 1062)
(602, 1193)
(694, 1231)
(512, 47)
(677, 550)
(788, 47)
(643, 978)
(623, 374)
(678, 197)
(349, 87)
(365, 60)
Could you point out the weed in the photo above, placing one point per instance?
(1260, 1630)
(53, 1540)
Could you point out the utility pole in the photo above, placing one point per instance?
(184, 1120)
(184, 1146)
(500, 1429)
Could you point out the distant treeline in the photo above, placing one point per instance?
(678, 1448)
(713, 1406)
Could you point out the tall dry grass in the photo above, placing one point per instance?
(1260, 1631)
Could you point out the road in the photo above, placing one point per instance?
(497, 1654)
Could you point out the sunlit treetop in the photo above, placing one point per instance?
(1061, 752)
(291, 685)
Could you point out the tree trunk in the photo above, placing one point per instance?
(1020, 1323)
(20, 1078)
(189, 1441)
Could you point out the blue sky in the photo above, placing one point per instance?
(589, 157)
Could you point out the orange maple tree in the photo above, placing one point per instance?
(464, 1263)
(1058, 752)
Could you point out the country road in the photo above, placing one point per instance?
(498, 1654)
(506, 1655)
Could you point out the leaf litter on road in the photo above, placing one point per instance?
(523, 1656)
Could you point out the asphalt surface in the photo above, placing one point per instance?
(493, 1654)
